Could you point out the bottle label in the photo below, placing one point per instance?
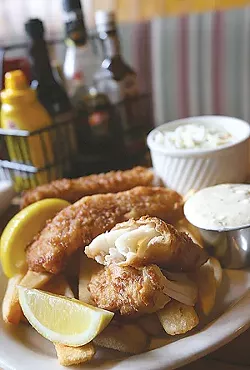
(118, 90)
(75, 27)
(129, 87)
(99, 122)
(77, 81)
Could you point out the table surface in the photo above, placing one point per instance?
(233, 356)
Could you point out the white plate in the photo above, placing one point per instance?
(21, 348)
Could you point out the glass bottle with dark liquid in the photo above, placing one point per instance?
(50, 93)
(119, 82)
(98, 133)
(115, 78)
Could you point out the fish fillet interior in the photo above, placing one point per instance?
(122, 245)
(145, 241)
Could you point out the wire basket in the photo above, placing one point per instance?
(33, 158)
(70, 149)
(67, 150)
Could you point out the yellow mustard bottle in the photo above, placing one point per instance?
(21, 110)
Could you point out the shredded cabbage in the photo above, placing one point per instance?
(193, 136)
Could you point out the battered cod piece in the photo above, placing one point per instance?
(78, 224)
(129, 290)
(74, 189)
(146, 241)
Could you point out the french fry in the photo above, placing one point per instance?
(186, 227)
(128, 338)
(207, 287)
(12, 311)
(68, 356)
(88, 267)
(150, 324)
(178, 318)
(34, 280)
(72, 270)
(217, 270)
(58, 285)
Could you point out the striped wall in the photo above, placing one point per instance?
(196, 64)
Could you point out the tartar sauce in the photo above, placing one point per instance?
(193, 136)
(220, 207)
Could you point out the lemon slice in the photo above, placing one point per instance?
(21, 230)
(62, 320)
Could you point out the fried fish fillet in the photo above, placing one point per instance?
(74, 189)
(129, 290)
(146, 241)
(78, 224)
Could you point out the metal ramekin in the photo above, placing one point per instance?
(231, 247)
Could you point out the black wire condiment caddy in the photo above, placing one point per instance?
(74, 153)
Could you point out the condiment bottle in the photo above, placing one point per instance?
(80, 61)
(119, 82)
(115, 77)
(21, 110)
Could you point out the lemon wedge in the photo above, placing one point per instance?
(62, 320)
(21, 230)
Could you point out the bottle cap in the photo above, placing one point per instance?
(15, 80)
(34, 28)
(69, 5)
(105, 21)
(16, 88)
(74, 22)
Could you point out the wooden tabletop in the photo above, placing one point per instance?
(233, 356)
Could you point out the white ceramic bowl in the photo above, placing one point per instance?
(186, 169)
